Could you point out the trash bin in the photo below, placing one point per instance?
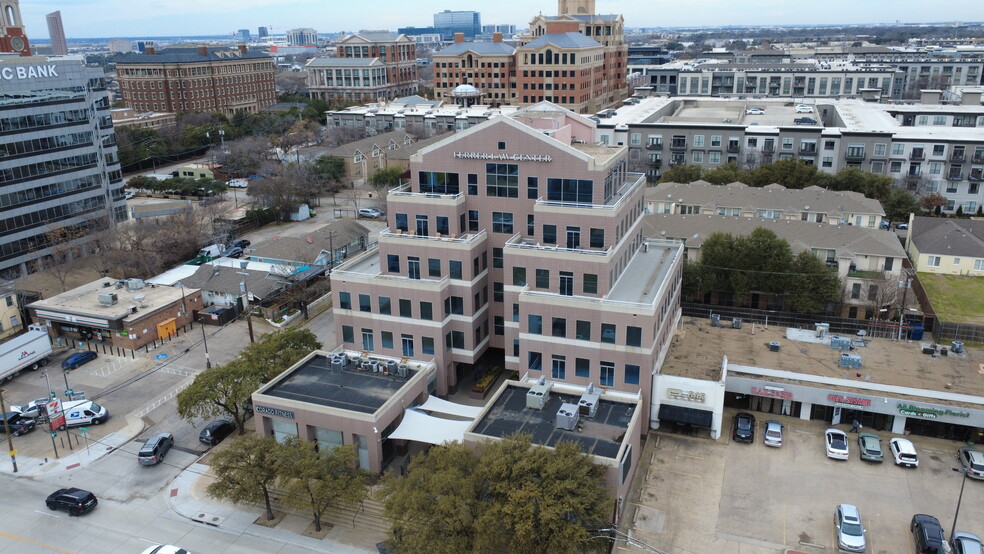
(917, 331)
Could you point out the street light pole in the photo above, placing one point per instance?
(208, 362)
(6, 428)
(249, 308)
(959, 499)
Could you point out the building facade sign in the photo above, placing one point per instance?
(277, 412)
(772, 392)
(686, 395)
(503, 157)
(929, 413)
(28, 72)
(851, 400)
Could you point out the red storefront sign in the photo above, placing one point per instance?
(853, 400)
(772, 393)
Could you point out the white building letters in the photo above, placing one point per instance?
(28, 72)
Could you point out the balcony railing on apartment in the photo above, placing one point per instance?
(678, 145)
(656, 163)
(958, 157)
(467, 237)
(978, 158)
(620, 195)
(954, 176)
(976, 175)
(808, 149)
(517, 241)
(733, 148)
(854, 156)
(655, 146)
(917, 156)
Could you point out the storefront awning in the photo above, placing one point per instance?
(420, 427)
(688, 416)
(435, 404)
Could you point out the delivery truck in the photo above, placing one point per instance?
(27, 351)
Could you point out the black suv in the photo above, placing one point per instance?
(928, 534)
(154, 450)
(744, 430)
(18, 423)
(74, 501)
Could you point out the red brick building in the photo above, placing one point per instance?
(197, 80)
(369, 66)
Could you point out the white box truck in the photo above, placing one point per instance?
(27, 351)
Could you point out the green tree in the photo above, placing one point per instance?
(725, 174)
(742, 264)
(681, 174)
(315, 110)
(813, 284)
(245, 471)
(515, 497)
(316, 481)
(869, 184)
(275, 352)
(793, 174)
(386, 177)
(899, 204)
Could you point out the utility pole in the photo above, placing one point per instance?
(249, 308)
(6, 428)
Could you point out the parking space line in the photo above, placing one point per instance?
(695, 476)
(29, 541)
(647, 486)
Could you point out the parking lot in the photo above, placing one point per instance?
(699, 496)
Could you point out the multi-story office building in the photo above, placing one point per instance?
(262, 32)
(370, 66)
(575, 59)
(506, 30)
(242, 35)
(448, 23)
(120, 46)
(58, 161)
(12, 35)
(519, 240)
(56, 32)
(197, 79)
(302, 37)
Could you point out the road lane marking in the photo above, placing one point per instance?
(682, 473)
(29, 541)
(47, 514)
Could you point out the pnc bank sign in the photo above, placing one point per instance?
(28, 72)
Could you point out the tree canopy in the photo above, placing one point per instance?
(245, 470)
(315, 480)
(512, 497)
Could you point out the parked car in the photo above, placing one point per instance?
(33, 409)
(74, 501)
(966, 543)
(744, 427)
(127, 195)
(241, 243)
(805, 121)
(850, 532)
(233, 252)
(927, 534)
(902, 226)
(78, 359)
(238, 183)
(755, 111)
(903, 452)
(836, 441)
(18, 423)
(804, 108)
(773, 433)
(154, 450)
(972, 461)
(214, 432)
(869, 445)
(165, 549)
(370, 213)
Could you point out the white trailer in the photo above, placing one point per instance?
(27, 351)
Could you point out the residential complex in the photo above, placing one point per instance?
(197, 80)
(370, 66)
(947, 246)
(59, 167)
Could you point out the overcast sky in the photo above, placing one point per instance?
(136, 18)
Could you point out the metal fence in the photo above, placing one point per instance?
(839, 325)
(947, 331)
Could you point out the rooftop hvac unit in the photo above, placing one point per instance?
(852, 361)
(369, 366)
(774, 346)
(736, 323)
(538, 395)
(391, 366)
(840, 343)
(108, 299)
(134, 284)
(715, 320)
(402, 371)
(957, 347)
(822, 330)
(337, 365)
(567, 417)
(588, 404)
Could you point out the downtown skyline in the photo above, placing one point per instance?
(124, 18)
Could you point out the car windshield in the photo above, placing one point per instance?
(851, 529)
(744, 424)
(96, 407)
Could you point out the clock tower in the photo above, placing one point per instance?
(12, 36)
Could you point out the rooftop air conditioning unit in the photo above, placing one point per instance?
(108, 299)
(588, 404)
(822, 330)
(134, 284)
(402, 371)
(567, 417)
(538, 395)
(852, 361)
(840, 343)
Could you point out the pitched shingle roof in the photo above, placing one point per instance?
(561, 40)
(215, 278)
(948, 237)
(307, 249)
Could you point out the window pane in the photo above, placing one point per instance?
(633, 336)
(426, 311)
(536, 324)
(542, 278)
(583, 330)
(631, 374)
(582, 368)
(559, 327)
(345, 301)
(384, 305)
(454, 268)
(608, 333)
(519, 276)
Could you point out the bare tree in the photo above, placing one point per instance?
(243, 157)
(64, 246)
(290, 186)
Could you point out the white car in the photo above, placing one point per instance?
(803, 108)
(129, 194)
(773, 433)
(755, 111)
(238, 183)
(903, 452)
(836, 442)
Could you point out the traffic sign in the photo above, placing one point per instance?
(54, 434)
(13, 453)
(83, 430)
(68, 392)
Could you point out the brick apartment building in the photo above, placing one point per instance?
(197, 79)
(523, 235)
(369, 66)
(576, 59)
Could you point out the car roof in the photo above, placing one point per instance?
(974, 454)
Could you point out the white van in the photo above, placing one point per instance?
(84, 412)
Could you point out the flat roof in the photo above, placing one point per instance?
(314, 382)
(84, 300)
(601, 435)
(642, 279)
(698, 349)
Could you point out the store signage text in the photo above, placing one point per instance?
(929, 413)
(774, 393)
(28, 72)
(853, 400)
(689, 396)
(286, 414)
(503, 157)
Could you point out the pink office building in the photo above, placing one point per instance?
(520, 234)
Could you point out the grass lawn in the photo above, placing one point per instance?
(959, 299)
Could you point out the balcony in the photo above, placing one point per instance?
(976, 175)
(733, 148)
(954, 176)
(979, 158)
(769, 148)
(958, 157)
(678, 145)
(656, 146)
(656, 162)
(917, 155)
(865, 274)
(808, 149)
(857, 156)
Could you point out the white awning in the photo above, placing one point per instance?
(420, 427)
(435, 404)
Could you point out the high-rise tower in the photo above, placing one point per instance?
(12, 35)
(57, 34)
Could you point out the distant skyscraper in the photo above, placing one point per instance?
(507, 30)
(448, 23)
(12, 36)
(57, 34)
(302, 37)
(262, 32)
(120, 46)
(243, 35)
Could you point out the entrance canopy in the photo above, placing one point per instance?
(435, 404)
(688, 416)
(420, 427)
